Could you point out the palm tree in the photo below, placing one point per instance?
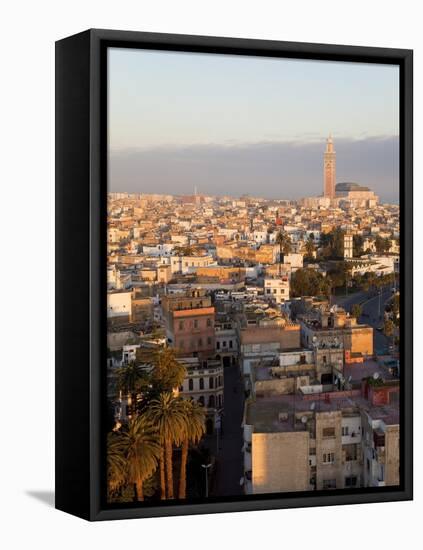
(142, 446)
(131, 380)
(310, 246)
(116, 463)
(167, 414)
(285, 247)
(168, 373)
(194, 430)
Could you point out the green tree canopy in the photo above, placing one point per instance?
(358, 242)
(309, 282)
(382, 245)
(332, 244)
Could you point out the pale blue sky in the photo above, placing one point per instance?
(165, 101)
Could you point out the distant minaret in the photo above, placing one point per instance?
(329, 170)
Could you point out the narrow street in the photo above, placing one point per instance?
(229, 458)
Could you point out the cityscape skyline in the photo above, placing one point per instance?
(220, 122)
(252, 342)
(223, 169)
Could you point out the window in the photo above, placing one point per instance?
(209, 340)
(328, 432)
(190, 384)
(181, 344)
(328, 458)
(211, 383)
(181, 325)
(201, 383)
(351, 481)
(195, 323)
(200, 342)
(201, 400)
(218, 345)
(345, 430)
(268, 291)
(211, 401)
(230, 343)
(209, 322)
(224, 343)
(329, 484)
(350, 452)
(324, 358)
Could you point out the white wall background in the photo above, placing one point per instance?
(28, 32)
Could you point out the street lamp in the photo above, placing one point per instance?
(206, 468)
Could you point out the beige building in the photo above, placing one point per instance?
(328, 328)
(119, 306)
(324, 441)
(276, 289)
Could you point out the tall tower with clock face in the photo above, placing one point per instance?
(329, 170)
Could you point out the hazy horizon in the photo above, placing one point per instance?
(234, 125)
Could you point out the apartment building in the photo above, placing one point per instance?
(276, 289)
(204, 383)
(189, 321)
(322, 441)
(328, 327)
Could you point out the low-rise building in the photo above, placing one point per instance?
(276, 289)
(327, 328)
(204, 383)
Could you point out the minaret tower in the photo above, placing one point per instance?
(329, 170)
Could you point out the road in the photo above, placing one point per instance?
(370, 313)
(229, 458)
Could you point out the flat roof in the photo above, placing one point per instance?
(263, 413)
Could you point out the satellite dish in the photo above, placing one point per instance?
(375, 376)
(304, 419)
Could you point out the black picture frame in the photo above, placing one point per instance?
(81, 181)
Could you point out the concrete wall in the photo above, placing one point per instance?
(283, 386)
(119, 304)
(288, 337)
(280, 462)
(392, 455)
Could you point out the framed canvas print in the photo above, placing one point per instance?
(234, 274)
